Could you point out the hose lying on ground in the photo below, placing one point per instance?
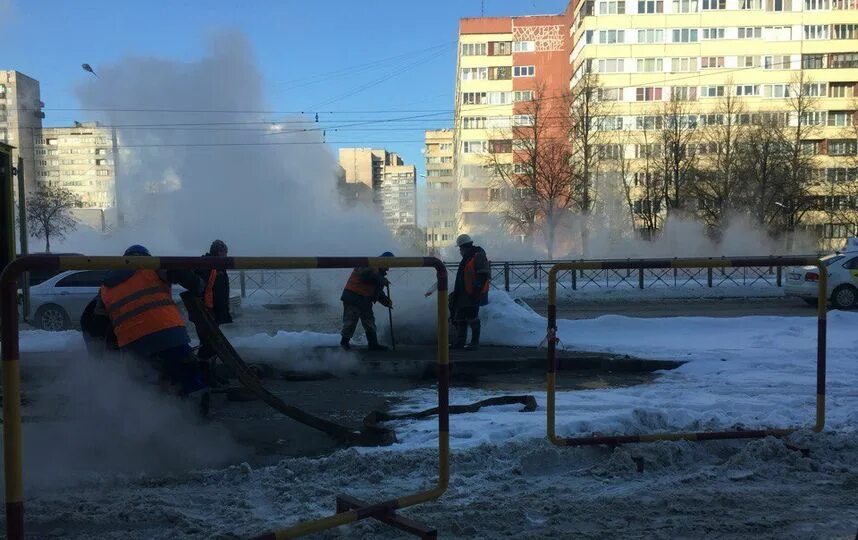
(529, 402)
(208, 331)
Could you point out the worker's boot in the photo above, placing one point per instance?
(374, 345)
(460, 334)
(344, 343)
(475, 336)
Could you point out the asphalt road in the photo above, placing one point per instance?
(697, 307)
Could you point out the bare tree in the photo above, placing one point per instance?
(762, 169)
(677, 152)
(48, 213)
(535, 191)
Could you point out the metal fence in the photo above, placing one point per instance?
(519, 277)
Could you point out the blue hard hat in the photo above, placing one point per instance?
(387, 254)
(138, 250)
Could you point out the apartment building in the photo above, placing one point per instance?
(393, 183)
(20, 117)
(440, 189)
(504, 63)
(763, 56)
(81, 159)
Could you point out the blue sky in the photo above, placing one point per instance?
(338, 58)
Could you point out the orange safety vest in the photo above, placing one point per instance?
(209, 294)
(470, 278)
(359, 286)
(140, 306)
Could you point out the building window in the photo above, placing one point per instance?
(685, 93)
(648, 122)
(751, 32)
(523, 95)
(500, 48)
(521, 168)
(500, 98)
(684, 64)
(812, 61)
(610, 65)
(474, 122)
(776, 62)
(711, 91)
(523, 120)
(844, 31)
(776, 91)
(648, 94)
(713, 33)
(498, 122)
(610, 151)
(475, 147)
(523, 71)
(685, 35)
(707, 5)
(651, 6)
(813, 118)
(838, 175)
(841, 118)
(841, 90)
(816, 5)
(523, 46)
(608, 37)
(843, 60)
(610, 123)
(749, 61)
(775, 5)
(651, 35)
(711, 62)
(814, 89)
(500, 73)
(816, 31)
(647, 150)
(474, 49)
(778, 33)
(844, 4)
(612, 7)
(475, 74)
(810, 148)
(748, 90)
(609, 94)
(750, 4)
(474, 98)
(842, 147)
(650, 65)
(685, 6)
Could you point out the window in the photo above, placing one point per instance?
(650, 65)
(610, 151)
(500, 73)
(610, 65)
(498, 122)
(523, 95)
(751, 32)
(607, 37)
(810, 148)
(475, 74)
(843, 60)
(844, 31)
(500, 146)
(651, 35)
(841, 174)
(521, 168)
(812, 61)
(684, 6)
(711, 62)
(749, 61)
(474, 98)
(648, 122)
(816, 5)
(647, 150)
(814, 89)
(816, 31)
(523, 71)
(475, 147)
(750, 4)
(711, 91)
(683, 64)
(523, 120)
(842, 147)
(474, 122)
(813, 118)
(651, 6)
(685, 35)
(776, 91)
(610, 123)
(775, 5)
(648, 94)
(844, 4)
(778, 33)
(89, 278)
(713, 33)
(685, 93)
(523, 46)
(612, 7)
(748, 90)
(776, 62)
(841, 89)
(841, 118)
(609, 94)
(500, 48)
(499, 98)
(474, 49)
(713, 4)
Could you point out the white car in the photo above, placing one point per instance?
(842, 268)
(58, 302)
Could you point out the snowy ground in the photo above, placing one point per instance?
(508, 482)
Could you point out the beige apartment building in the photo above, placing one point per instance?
(441, 202)
(393, 183)
(20, 118)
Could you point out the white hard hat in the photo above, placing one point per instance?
(463, 239)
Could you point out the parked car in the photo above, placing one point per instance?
(58, 302)
(842, 268)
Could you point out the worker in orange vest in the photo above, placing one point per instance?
(216, 295)
(364, 288)
(148, 325)
(469, 293)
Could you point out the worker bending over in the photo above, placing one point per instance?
(364, 288)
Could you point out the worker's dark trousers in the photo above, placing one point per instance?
(352, 314)
(462, 319)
